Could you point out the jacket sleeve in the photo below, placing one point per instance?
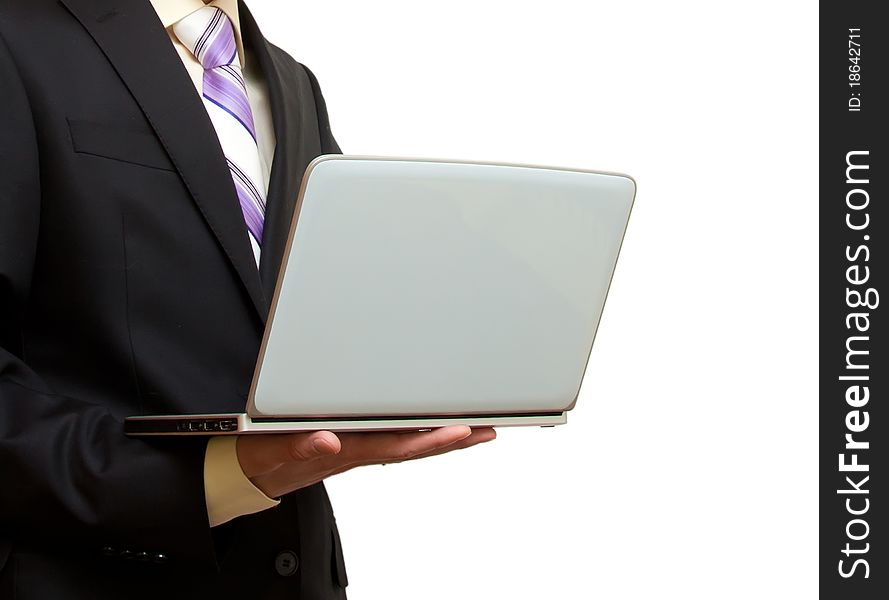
(69, 474)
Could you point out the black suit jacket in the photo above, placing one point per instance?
(128, 286)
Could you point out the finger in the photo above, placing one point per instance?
(327, 466)
(479, 436)
(262, 453)
(357, 449)
(402, 445)
(365, 448)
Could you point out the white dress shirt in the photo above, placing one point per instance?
(228, 492)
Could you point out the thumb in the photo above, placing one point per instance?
(259, 454)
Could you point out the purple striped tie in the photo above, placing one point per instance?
(208, 33)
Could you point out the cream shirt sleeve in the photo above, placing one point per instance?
(228, 492)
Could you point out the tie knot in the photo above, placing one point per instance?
(209, 34)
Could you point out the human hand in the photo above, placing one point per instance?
(279, 464)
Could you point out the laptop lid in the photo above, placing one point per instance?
(424, 287)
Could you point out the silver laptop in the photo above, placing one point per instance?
(421, 293)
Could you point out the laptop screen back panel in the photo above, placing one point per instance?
(439, 288)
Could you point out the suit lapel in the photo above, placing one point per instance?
(132, 37)
(291, 102)
(302, 133)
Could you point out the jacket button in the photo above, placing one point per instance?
(286, 563)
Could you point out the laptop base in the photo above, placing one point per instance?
(240, 424)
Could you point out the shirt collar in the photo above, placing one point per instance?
(171, 11)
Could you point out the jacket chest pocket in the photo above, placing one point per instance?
(122, 142)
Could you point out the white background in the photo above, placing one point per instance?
(688, 469)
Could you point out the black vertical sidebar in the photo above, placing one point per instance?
(853, 367)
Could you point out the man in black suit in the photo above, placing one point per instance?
(130, 284)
